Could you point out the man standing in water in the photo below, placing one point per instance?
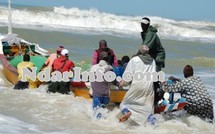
(61, 64)
(24, 64)
(151, 39)
(101, 90)
(156, 50)
(138, 103)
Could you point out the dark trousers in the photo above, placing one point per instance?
(60, 87)
(159, 66)
(158, 93)
(20, 85)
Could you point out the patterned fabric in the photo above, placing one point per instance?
(198, 98)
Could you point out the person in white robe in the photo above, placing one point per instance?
(138, 102)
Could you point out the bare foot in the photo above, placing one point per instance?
(124, 117)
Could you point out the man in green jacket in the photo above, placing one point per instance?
(151, 39)
(156, 51)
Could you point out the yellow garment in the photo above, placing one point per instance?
(34, 84)
(20, 66)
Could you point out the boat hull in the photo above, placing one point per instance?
(116, 96)
(10, 72)
(78, 88)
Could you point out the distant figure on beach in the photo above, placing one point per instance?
(50, 60)
(151, 39)
(24, 64)
(125, 60)
(61, 64)
(138, 102)
(101, 89)
(193, 89)
(103, 47)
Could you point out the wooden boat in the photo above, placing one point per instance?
(10, 71)
(10, 47)
(80, 89)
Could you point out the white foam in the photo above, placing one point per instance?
(35, 111)
(12, 125)
(93, 21)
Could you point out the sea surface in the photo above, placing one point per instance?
(35, 111)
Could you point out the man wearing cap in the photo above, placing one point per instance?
(151, 39)
(195, 93)
(138, 102)
(103, 47)
(61, 64)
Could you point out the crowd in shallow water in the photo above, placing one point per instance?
(142, 96)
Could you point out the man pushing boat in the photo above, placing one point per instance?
(25, 64)
(138, 103)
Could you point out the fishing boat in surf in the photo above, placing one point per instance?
(11, 50)
(12, 47)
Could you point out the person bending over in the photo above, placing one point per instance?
(197, 96)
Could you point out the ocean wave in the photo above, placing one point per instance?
(96, 22)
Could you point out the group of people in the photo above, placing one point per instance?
(139, 101)
(58, 61)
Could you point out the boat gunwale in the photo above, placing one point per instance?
(6, 63)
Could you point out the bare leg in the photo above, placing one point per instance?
(124, 117)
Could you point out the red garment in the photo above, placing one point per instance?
(113, 60)
(60, 62)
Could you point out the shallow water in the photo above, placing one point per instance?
(35, 111)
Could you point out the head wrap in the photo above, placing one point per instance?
(145, 20)
(144, 49)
